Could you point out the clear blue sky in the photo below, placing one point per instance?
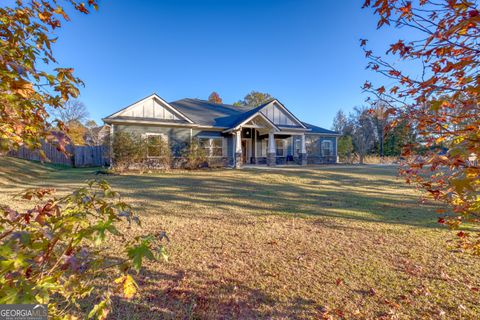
(304, 52)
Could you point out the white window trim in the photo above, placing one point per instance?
(330, 148)
(210, 148)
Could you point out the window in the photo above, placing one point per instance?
(280, 146)
(213, 146)
(157, 145)
(327, 148)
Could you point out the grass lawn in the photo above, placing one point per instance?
(350, 242)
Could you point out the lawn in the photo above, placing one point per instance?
(346, 242)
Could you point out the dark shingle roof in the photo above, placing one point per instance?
(224, 115)
(210, 114)
(315, 129)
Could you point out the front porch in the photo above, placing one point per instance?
(258, 146)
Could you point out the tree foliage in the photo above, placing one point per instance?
(254, 99)
(214, 97)
(440, 101)
(28, 87)
(345, 148)
(76, 132)
(54, 252)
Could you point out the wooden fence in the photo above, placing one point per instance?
(78, 156)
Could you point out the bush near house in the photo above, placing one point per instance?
(134, 152)
(194, 156)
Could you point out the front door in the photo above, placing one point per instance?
(244, 151)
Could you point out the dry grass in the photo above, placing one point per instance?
(371, 159)
(347, 242)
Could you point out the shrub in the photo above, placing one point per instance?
(345, 149)
(53, 252)
(131, 151)
(194, 156)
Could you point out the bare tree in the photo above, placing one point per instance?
(363, 131)
(380, 120)
(340, 122)
(72, 111)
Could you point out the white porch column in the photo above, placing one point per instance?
(271, 143)
(271, 153)
(304, 148)
(238, 141)
(303, 151)
(237, 156)
(110, 154)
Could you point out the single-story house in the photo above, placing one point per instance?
(268, 134)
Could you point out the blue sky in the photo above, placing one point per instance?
(304, 52)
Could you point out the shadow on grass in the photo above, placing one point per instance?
(225, 299)
(370, 194)
(355, 199)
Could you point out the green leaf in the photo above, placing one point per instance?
(137, 253)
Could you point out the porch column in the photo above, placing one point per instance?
(110, 153)
(271, 152)
(303, 152)
(238, 148)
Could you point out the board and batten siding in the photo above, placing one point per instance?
(278, 116)
(150, 109)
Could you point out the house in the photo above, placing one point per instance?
(96, 136)
(232, 136)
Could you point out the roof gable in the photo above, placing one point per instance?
(151, 107)
(276, 112)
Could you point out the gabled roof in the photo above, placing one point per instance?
(120, 114)
(286, 110)
(202, 113)
(251, 114)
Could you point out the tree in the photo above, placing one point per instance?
(363, 131)
(345, 148)
(214, 97)
(76, 132)
(440, 101)
(254, 99)
(29, 85)
(340, 122)
(72, 110)
(52, 252)
(72, 114)
(380, 120)
(91, 136)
